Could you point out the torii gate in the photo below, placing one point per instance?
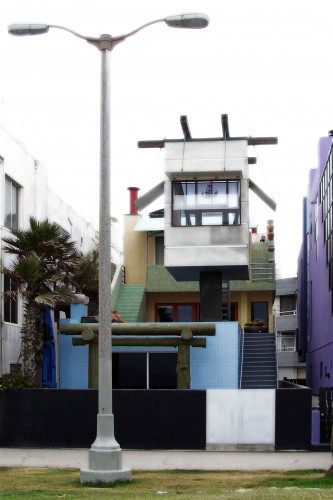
(179, 335)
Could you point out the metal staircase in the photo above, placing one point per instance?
(259, 369)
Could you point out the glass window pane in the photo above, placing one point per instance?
(8, 204)
(129, 370)
(10, 305)
(185, 313)
(11, 205)
(259, 310)
(212, 203)
(14, 206)
(159, 250)
(165, 314)
(212, 219)
(162, 370)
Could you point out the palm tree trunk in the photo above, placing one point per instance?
(32, 342)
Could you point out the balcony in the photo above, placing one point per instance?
(286, 321)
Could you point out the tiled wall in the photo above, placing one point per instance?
(216, 367)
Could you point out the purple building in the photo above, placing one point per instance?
(315, 273)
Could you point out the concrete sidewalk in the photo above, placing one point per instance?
(158, 460)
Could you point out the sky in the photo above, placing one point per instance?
(265, 63)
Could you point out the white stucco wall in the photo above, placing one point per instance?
(241, 417)
(36, 199)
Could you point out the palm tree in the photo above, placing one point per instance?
(86, 275)
(42, 274)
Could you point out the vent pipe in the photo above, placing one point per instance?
(133, 197)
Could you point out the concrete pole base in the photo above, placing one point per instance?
(105, 476)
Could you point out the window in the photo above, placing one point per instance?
(259, 310)
(10, 305)
(159, 250)
(231, 315)
(168, 313)
(144, 370)
(11, 204)
(287, 304)
(287, 342)
(205, 203)
(326, 201)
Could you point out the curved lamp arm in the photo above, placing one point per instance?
(187, 21)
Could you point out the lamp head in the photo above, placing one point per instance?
(27, 29)
(191, 21)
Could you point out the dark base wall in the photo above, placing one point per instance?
(293, 419)
(59, 418)
(144, 419)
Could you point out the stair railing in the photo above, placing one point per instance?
(276, 353)
(241, 358)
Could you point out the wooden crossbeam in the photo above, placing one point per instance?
(137, 329)
(255, 141)
(145, 342)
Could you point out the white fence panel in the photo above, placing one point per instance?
(236, 417)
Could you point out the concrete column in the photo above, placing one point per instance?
(211, 296)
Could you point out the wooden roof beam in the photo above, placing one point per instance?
(225, 126)
(185, 127)
(255, 141)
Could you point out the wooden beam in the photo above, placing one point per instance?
(225, 126)
(255, 141)
(185, 127)
(145, 342)
(151, 144)
(251, 160)
(137, 329)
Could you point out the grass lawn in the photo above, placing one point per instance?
(38, 483)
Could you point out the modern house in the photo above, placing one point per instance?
(170, 256)
(196, 259)
(25, 192)
(315, 272)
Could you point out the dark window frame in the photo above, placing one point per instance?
(10, 306)
(255, 316)
(197, 216)
(175, 311)
(154, 370)
(11, 217)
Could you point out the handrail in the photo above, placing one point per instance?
(276, 354)
(279, 313)
(241, 360)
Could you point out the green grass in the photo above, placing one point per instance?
(37, 483)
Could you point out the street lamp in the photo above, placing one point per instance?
(105, 455)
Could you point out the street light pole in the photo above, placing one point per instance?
(105, 454)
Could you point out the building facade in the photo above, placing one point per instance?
(161, 298)
(25, 193)
(315, 272)
(286, 327)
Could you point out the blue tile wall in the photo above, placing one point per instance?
(213, 367)
(216, 367)
(73, 361)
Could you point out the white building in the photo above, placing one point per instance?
(25, 193)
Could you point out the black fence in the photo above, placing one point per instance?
(144, 419)
(326, 418)
(293, 418)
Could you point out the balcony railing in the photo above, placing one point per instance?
(286, 343)
(262, 271)
(277, 312)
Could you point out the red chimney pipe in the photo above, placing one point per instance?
(133, 197)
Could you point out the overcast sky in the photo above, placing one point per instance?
(266, 63)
